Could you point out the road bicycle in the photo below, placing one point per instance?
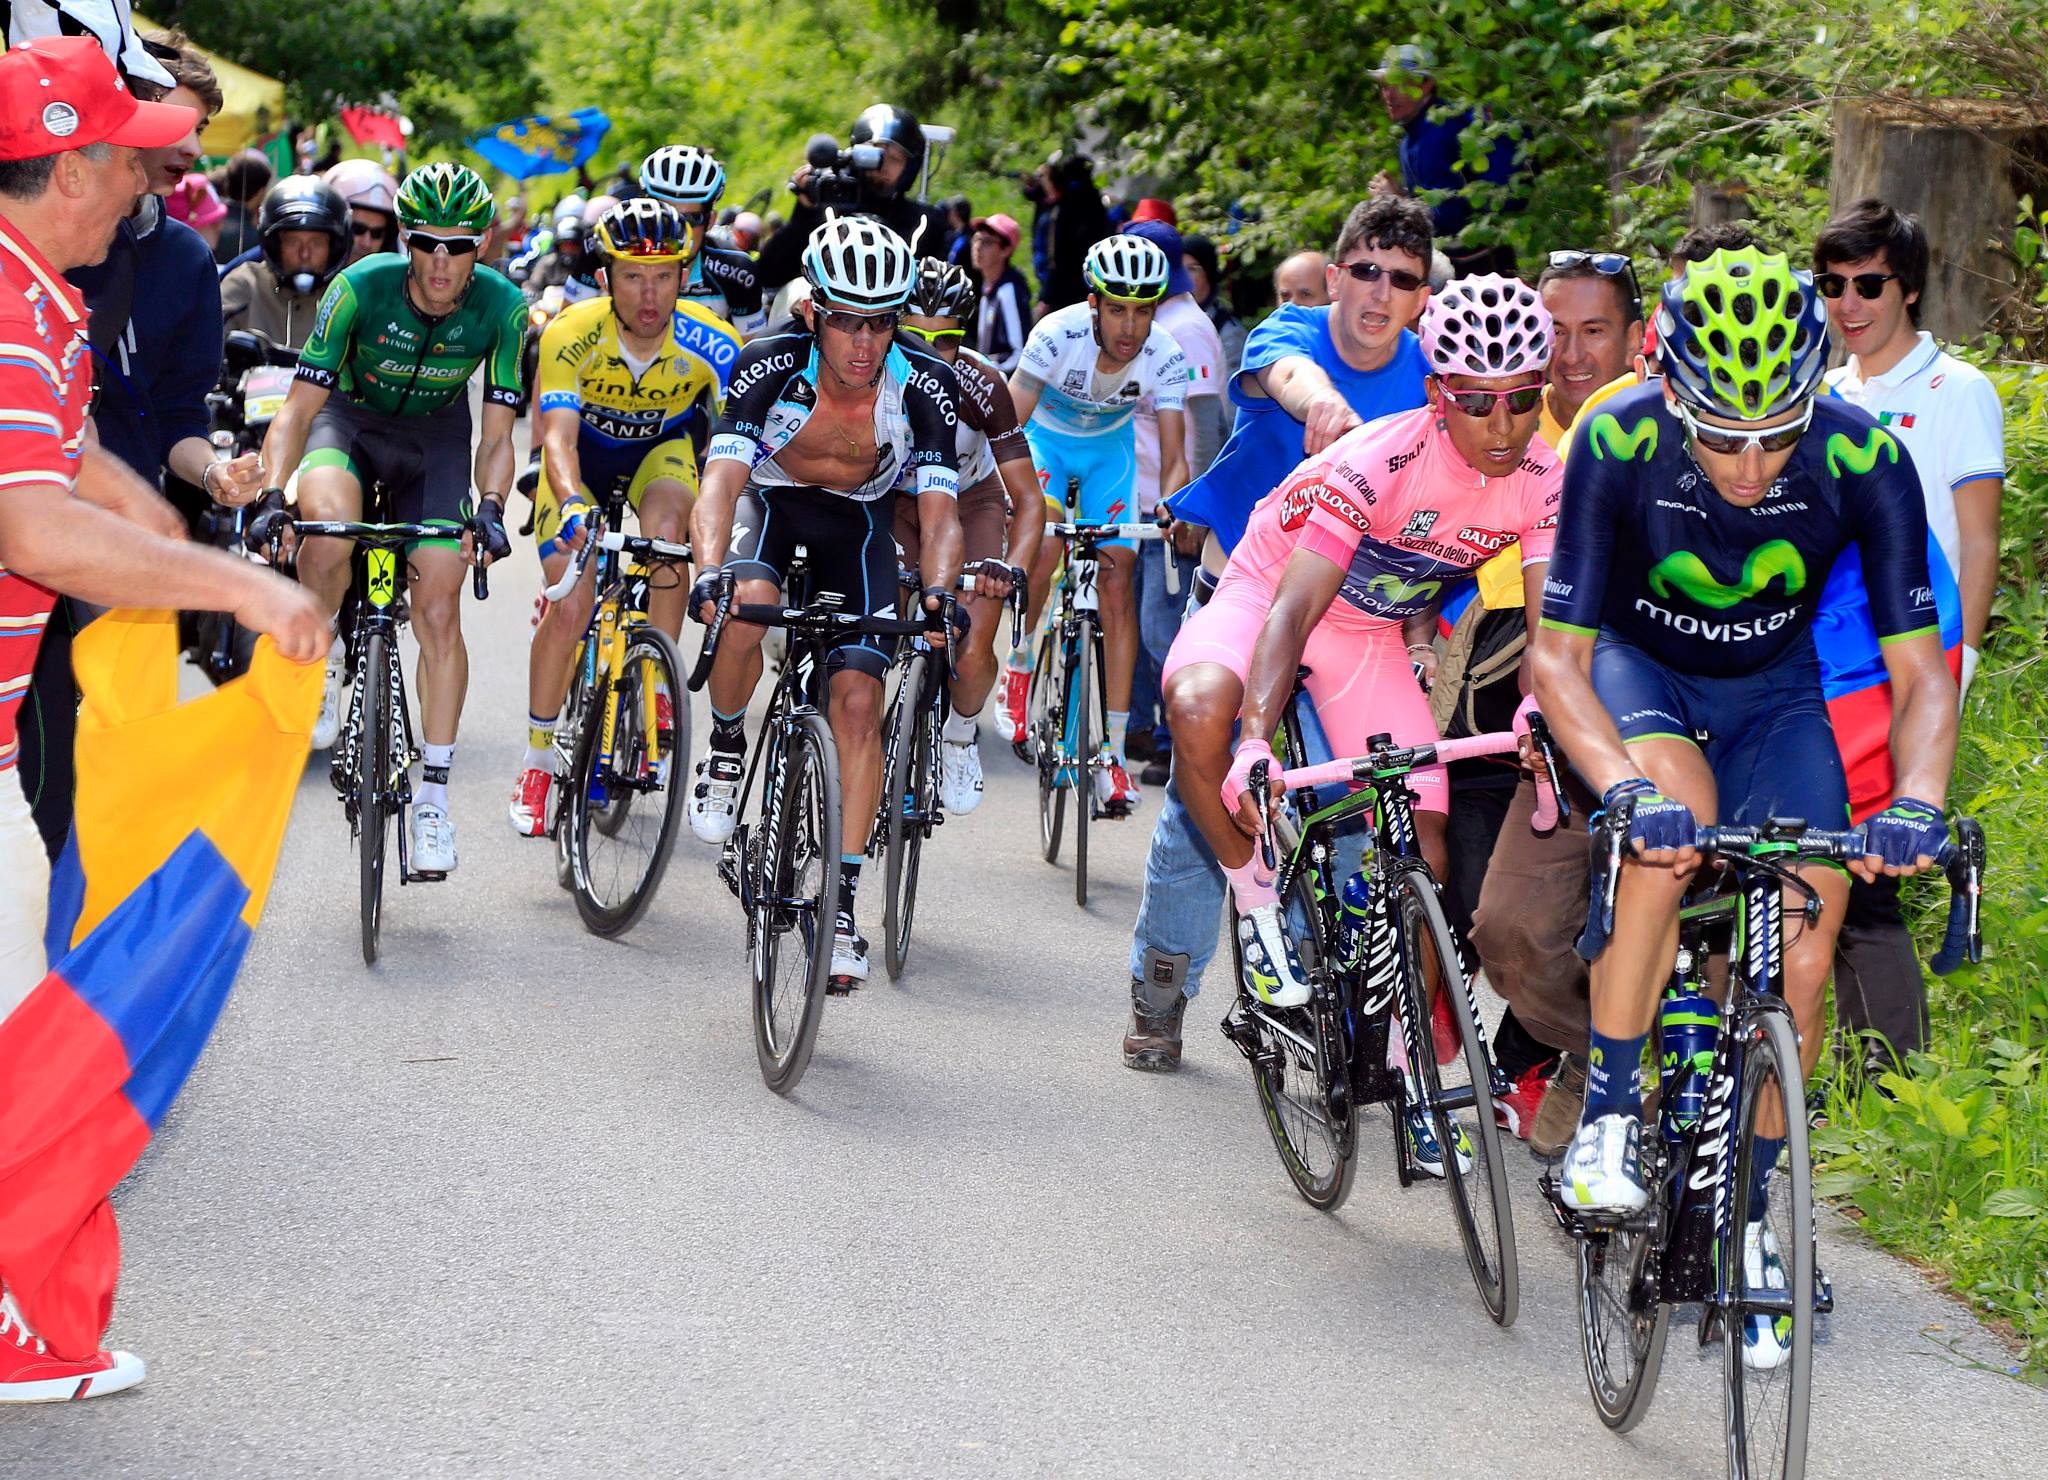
(1065, 727)
(1375, 946)
(782, 863)
(1699, 1240)
(373, 756)
(615, 812)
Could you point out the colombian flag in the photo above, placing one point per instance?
(181, 810)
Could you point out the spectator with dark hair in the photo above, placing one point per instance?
(959, 230)
(1198, 255)
(1596, 327)
(1004, 322)
(1870, 266)
(1079, 221)
(1432, 154)
(242, 184)
(1702, 242)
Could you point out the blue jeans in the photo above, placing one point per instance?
(1159, 614)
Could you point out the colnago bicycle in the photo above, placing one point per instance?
(1066, 732)
(1373, 946)
(783, 863)
(1700, 1240)
(626, 721)
(910, 809)
(373, 756)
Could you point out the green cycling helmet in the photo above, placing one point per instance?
(1743, 335)
(449, 196)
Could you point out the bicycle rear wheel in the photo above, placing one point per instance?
(1300, 1068)
(1460, 1095)
(372, 783)
(909, 799)
(1087, 733)
(1767, 1407)
(795, 897)
(1047, 709)
(623, 811)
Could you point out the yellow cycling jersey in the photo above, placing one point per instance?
(583, 368)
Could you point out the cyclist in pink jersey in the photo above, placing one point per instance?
(1343, 565)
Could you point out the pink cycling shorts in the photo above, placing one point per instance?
(1359, 674)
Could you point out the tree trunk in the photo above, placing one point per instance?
(1960, 165)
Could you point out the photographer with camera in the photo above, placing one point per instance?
(873, 176)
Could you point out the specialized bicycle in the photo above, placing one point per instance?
(1373, 945)
(1066, 734)
(910, 809)
(1700, 1240)
(783, 863)
(373, 756)
(621, 796)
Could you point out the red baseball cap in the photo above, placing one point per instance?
(1002, 226)
(61, 92)
(1151, 208)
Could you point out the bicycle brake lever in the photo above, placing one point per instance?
(1263, 800)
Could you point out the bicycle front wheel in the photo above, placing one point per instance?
(1459, 1094)
(624, 807)
(1767, 1267)
(909, 799)
(373, 782)
(795, 900)
(1047, 710)
(1086, 734)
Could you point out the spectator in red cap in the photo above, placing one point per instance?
(73, 520)
(1005, 318)
(1151, 208)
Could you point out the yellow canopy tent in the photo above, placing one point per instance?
(254, 106)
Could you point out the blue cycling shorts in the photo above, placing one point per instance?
(1105, 464)
(1765, 735)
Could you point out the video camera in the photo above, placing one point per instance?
(835, 178)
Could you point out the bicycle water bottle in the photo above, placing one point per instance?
(1354, 921)
(1688, 1026)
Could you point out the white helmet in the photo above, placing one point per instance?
(365, 183)
(683, 175)
(858, 263)
(1127, 267)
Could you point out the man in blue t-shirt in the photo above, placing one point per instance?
(1309, 375)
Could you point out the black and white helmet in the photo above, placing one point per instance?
(1127, 267)
(857, 263)
(683, 175)
(943, 290)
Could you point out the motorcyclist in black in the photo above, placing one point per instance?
(885, 194)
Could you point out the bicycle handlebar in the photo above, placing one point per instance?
(617, 541)
(1095, 533)
(381, 536)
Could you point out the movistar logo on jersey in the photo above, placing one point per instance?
(1638, 445)
(1682, 571)
(1860, 458)
(1397, 592)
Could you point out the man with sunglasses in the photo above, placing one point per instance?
(818, 430)
(1676, 658)
(381, 399)
(724, 280)
(1870, 266)
(618, 380)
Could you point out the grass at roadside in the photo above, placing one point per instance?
(1954, 1170)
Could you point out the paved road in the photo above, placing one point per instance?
(516, 1202)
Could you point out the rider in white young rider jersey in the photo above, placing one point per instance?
(1077, 388)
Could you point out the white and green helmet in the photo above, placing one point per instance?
(448, 196)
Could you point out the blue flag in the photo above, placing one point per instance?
(526, 147)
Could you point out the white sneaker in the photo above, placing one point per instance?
(715, 798)
(327, 728)
(849, 958)
(433, 841)
(960, 775)
(30, 1373)
(1603, 1170)
(1272, 971)
(1766, 1339)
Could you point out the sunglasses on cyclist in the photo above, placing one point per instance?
(854, 323)
(458, 246)
(933, 336)
(1732, 443)
(1521, 399)
(1869, 285)
(1372, 272)
(1607, 264)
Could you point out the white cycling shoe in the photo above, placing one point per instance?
(433, 841)
(959, 775)
(849, 959)
(1766, 1339)
(1603, 1170)
(715, 797)
(1272, 972)
(327, 728)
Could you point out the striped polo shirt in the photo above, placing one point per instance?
(45, 392)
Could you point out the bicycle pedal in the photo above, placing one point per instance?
(1823, 1291)
(841, 986)
(421, 876)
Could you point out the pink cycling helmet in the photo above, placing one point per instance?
(1488, 325)
(365, 183)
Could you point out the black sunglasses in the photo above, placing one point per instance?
(1869, 285)
(853, 323)
(1372, 272)
(1607, 264)
(458, 246)
(364, 228)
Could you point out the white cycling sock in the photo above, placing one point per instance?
(959, 728)
(1119, 724)
(540, 743)
(434, 763)
(1020, 657)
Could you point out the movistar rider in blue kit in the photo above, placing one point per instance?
(1699, 521)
